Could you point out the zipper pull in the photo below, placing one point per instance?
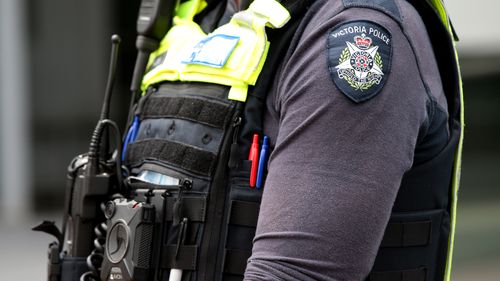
(235, 153)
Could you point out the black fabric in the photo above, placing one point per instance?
(416, 255)
(179, 155)
(193, 109)
(235, 261)
(418, 274)
(387, 6)
(425, 186)
(244, 213)
(407, 234)
(73, 267)
(185, 260)
(243, 205)
(434, 135)
(182, 131)
(211, 242)
(194, 89)
(193, 208)
(208, 19)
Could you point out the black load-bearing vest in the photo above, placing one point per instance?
(205, 227)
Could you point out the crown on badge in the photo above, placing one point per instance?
(362, 41)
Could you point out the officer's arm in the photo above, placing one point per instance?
(337, 164)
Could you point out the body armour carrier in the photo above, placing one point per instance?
(188, 212)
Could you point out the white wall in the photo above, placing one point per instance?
(477, 24)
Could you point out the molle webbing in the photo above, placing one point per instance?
(176, 154)
(244, 213)
(182, 131)
(235, 261)
(193, 109)
(418, 274)
(407, 234)
(241, 214)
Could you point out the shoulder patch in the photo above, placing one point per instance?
(359, 58)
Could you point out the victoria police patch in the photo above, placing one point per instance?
(359, 58)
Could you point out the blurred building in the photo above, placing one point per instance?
(53, 66)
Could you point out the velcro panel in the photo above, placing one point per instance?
(202, 111)
(187, 132)
(185, 260)
(418, 274)
(407, 234)
(244, 213)
(235, 261)
(180, 155)
(193, 208)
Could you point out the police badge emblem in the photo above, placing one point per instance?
(359, 55)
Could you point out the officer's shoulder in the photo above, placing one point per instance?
(388, 7)
(361, 36)
(400, 12)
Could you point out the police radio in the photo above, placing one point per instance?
(153, 22)
(98, 222)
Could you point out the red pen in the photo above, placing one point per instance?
(254, 157)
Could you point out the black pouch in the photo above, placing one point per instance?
(243, 211)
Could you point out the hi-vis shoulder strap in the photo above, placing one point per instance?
(440, 9)
(232, 55)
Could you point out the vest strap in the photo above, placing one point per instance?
(407, 234)
(186, 157)
(418, 274)
(244, 213)
(197, 110)
(235, 261)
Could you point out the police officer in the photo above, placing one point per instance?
(362, 106)
(361, 103)
(357, 104)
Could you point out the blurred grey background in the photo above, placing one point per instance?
(53, 65)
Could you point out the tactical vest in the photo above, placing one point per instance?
(203, 100)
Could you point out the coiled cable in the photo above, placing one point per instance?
(94, 260)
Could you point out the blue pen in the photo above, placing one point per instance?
(131, 135)
(264, 151)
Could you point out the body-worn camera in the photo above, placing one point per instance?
(128, 250)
